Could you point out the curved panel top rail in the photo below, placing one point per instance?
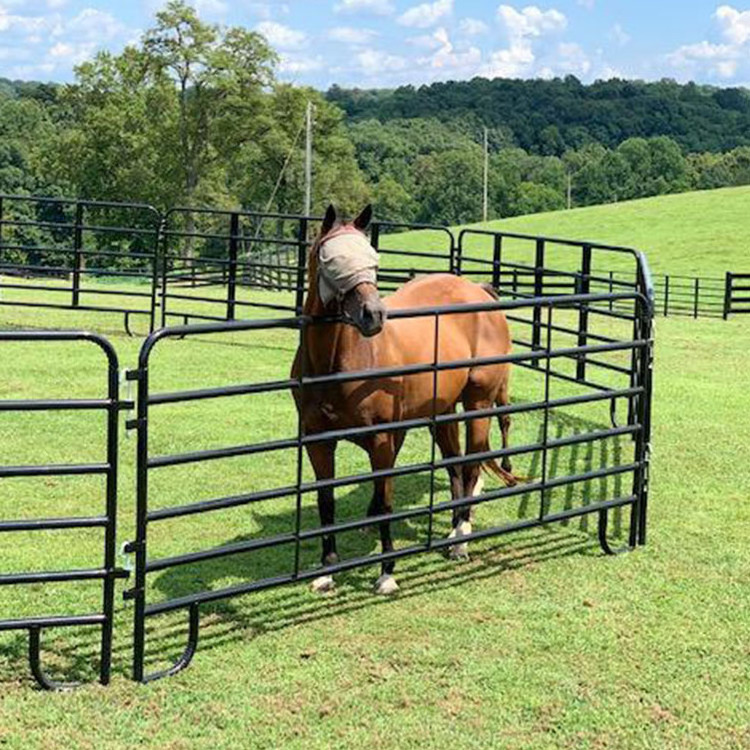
(81, 202)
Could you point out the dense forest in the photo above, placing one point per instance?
(550, 117)
(195, 114)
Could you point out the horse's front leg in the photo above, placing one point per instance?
(322, 459)
(383, 452)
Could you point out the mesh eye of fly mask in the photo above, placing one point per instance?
(345, 260)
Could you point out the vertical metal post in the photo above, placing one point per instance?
(375, 235)
(545, 425)
(584, 287)
(727, 295)
(666, 295)
(110, 540)
(644, 446)
(77, 259)
(299, 301)
(164, 268)
(139, 547)
(155, 272)
(300, 450)
(433, 427)
(234, 232)
(497, 254)
(697, 293)
(611, 289)
(536, 336)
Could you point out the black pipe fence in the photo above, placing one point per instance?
(110, 405)
(629, 382)
(193, 264)
(92, 256)
(577, 344)
(737, 294)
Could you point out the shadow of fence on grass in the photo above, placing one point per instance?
(277, 609)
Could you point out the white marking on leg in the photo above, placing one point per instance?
(478, 488)
(323, 585)
(460, 551)
(386, 585)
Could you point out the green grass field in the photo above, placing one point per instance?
(701, 233)
(538, 642)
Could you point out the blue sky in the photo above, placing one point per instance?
(391, 42)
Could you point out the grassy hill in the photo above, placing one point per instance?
(703, 233)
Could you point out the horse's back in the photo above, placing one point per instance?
(435, 290)
(475, 334)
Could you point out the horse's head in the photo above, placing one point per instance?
(347, 272)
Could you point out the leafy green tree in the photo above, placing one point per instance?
(449, 187)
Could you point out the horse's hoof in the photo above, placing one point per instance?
(459, 551)
(323, 585)
(386, 585)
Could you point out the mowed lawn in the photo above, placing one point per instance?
(539, 641)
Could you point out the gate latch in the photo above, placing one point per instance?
(126, 380)
(127, 551)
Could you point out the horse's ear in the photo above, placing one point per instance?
(329, 220)
(364, 219)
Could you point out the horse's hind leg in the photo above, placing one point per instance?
(383, 451)
(447, 436)
(477, 441)
(322, 459)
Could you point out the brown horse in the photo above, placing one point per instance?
(342, 280)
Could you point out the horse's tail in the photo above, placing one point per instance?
(491, 466)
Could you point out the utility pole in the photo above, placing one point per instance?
(486, 203)
(308, 159)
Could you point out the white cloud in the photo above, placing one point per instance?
(721, 60)
(523, 28)
(718, 59)
(426, 15)
(91, 25)
(735, 24)
(72, 54)
(473, 27)
(281, 36)
(619, 35)
(211, 8)
(513, 62)
(531, 21)
(378, 7)
(448, 58)
(572, 59)
(351, 36)
(374, 62)
(295, 64)
(27, 24)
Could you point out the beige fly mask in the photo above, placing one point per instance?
(345, 260)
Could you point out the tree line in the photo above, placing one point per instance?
(194, 114)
